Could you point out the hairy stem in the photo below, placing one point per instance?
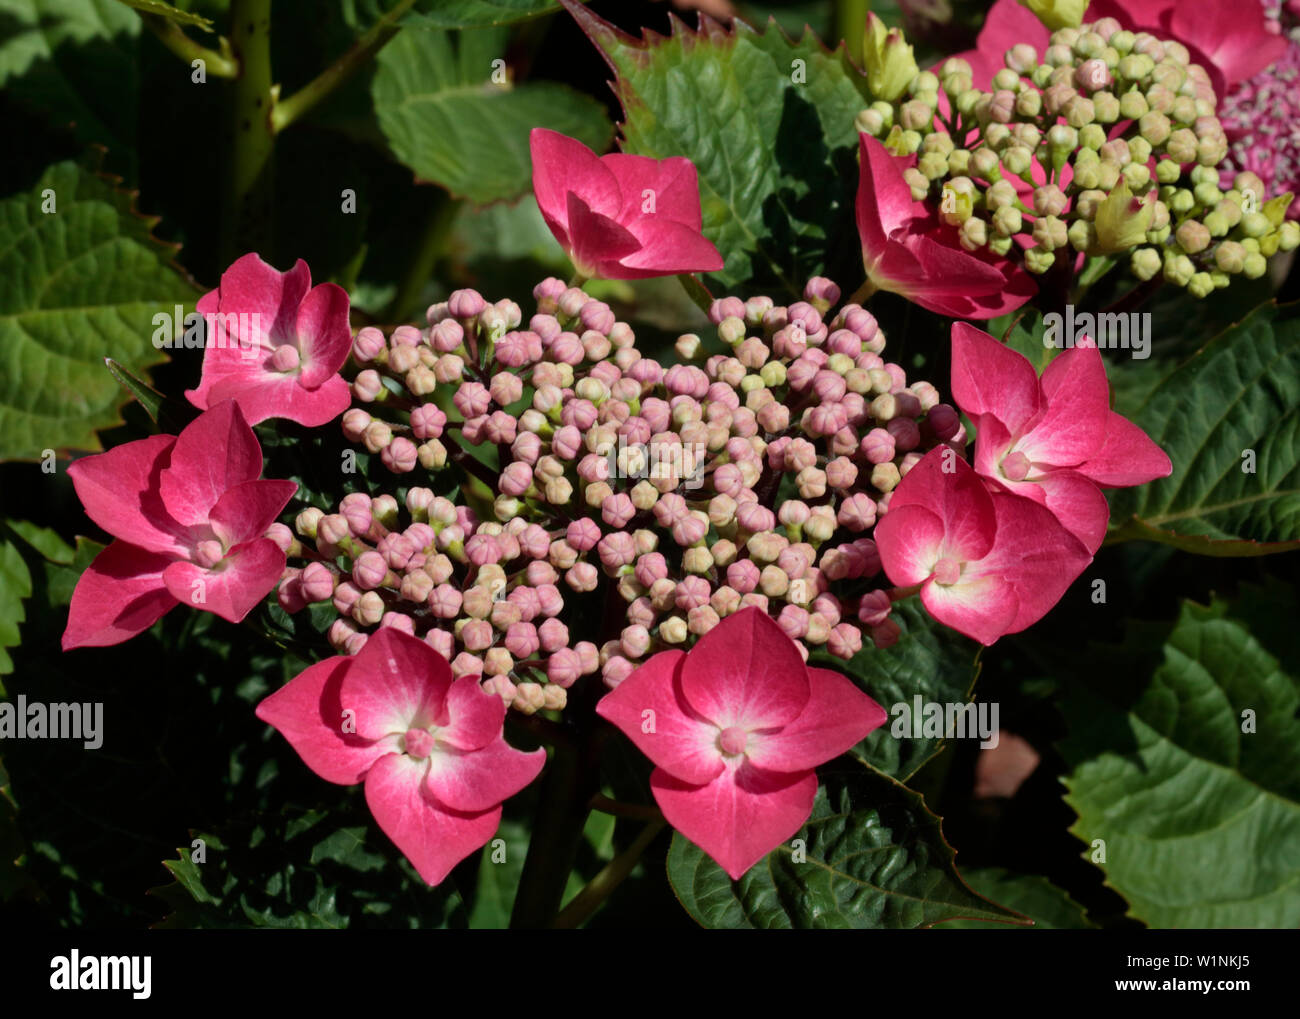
(219, 64)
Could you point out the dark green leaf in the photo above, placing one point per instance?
(477, 13)
(1028, 894)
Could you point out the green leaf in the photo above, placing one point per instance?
(769, 125)
(1197, 801)
(874, 858)
(929, 660)
(77, 284)
(1028, 894)
(15, 588)
(1238, 398)
(76, 61)
(149, 398)
(61, 578)
(45, 540)
(451, 124)
(164, 10)
(477, 13)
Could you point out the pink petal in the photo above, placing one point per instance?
(598, 242)
(263, 395)
(397, 682)
(746, 672)
(957, 496)
(119, 490)
(214, 452)
(951, 271)
(837, 717)
(1078, 504)
(992, 445)
(673, 182)
(739, 817)
(1231, 36)
(1006, 24)
(432, 837)
(227, 365)
(678, 740)
(324, 335)
(884, 201)
(1128, 456)
(666, 247)
(1075, 406)
(992, 379)
(480, 779)
(474, 716)
(980, 606)
(308, 713)
(117, 596)
(561, 165)
(251, 286)
(246, 511)
(910, 542)
(235, 586)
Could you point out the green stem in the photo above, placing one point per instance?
(218, 64)
(247, 223)
(850, 20)
(616, 808)
(432, 247)
(862, 293)
(610, 877)
(696, 291)
(357, 56)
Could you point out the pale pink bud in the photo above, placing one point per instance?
(878, 446)
(522, 639)
(841, 473)
(553, 635)
(754, 517)
(857, 512)
(340, 632)
(445, 601)
(615, 550)
(617, 510)
(400, 456)
(564, 667)
(466, 664)
(369, 571)
(689, 529)
(582, 577)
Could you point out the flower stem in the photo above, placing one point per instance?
(246, 225)
(617, 808)
(357, 56)
(850, 20)
(220, 64)
(862, 293)
(610, 877)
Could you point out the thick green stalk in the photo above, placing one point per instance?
(246, 225)
(610, 877)
(850, 19)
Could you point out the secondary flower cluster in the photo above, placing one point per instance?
(754, 480)
(1103, 143)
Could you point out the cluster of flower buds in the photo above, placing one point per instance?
(679, 495)
(1106, 144)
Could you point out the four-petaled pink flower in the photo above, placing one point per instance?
(620, 216)
(428, 747)
(275, 344)
(908, 251)
(989, 563)
(189, 517)
(1053, 440)
(735, 729)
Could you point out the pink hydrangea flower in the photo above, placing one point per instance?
(277, 345)
(189, 518)
(427, 746)
(988, 563)
(906, 250)
(1053, 440)
(620, 216)
(735, 728)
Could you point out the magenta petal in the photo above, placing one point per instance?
(432, 837)
(475, 717)
(739, 817)
(666, 247)
(251, 286)
(227, 366)
(989, 377)
(884, 200)
(672, 183)
(119, 490)
(246, 511)
(1231, 36)
(308, 713)
(562, 164)
(1006, 24)
(1076, 404)
(957, 496)
(1128, 457)
(232, 588)
(214, 452)
(950, 270)
(983, 607)
(482, 779)
(397, 683)
(324, 334)
(597, 241)
(649, 709)
(263, 395)
(910, 542)
(117, 596)
(837, 717)
(1078, 504)
(746, 671)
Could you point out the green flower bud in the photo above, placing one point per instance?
(1137, 176)
(1087, 175)
(1160, 217)
(955, 84)
(1058, 14)
(1168, 171)
(1050, 233)
(772, 374)
(1122, 221)
(1139, 149)
(1029, 103)
(1184, 111)
(1134, 67)
(1160, 236)
(889, 62)
(984, 163)
(1000, 193)
(1080, 112)
(1155, 127)
(955, 65)
(926, 81)
(1049, 200)
(1210, 151)
(1200, 285)
(957, 202)
(997, 136)
(1093, 136)
(915, 115)
(1039, 261)
(1192, 236)
(1181, 202)
(1041, 75)
(1207, 195)
(933, 165)
(1082, 235)
(958, 159)
(1122, 41)
(1006, 79)
(1021, 58)
(1220, 280)
(1178, 269)
(1133, 105)
(1007, 221)
(974, 234)
(1254, 266)
(1145, 263)
(1106, 106)
(1086, 203)
(966, 102)
(1000, 245)
(1230, 256)
(1018, 159)
(938, 142)
(1203, 175)
(869, 122)
(1288, 236)
(1255, 224)
(1108, 176)
(1181, 145)
(1230, 209)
